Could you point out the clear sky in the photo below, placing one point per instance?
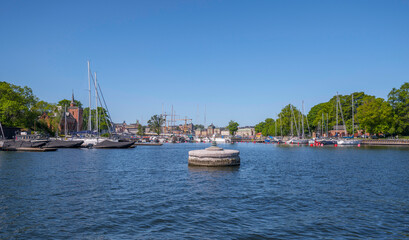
(244, 60)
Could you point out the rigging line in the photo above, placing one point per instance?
(98, 96)
(106, 106)
(109, 116)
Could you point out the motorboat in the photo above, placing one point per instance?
(221, 140)
(348, 142)
(297, 141)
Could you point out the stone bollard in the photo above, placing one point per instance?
(214, 157)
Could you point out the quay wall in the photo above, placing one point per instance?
(233, 140)
(385, 142)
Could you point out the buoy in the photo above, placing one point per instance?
(311, 145)
(336, 145)
(359, 145)
(322, 144)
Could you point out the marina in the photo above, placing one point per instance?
(204, 120)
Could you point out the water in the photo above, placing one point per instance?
(150, 193)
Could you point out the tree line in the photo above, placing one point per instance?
(356, 111)
(19, 107)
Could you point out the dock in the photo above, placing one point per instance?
(247, 140)
(148, 144)
(385, 142)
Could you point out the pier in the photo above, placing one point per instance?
(238, 140)
(397, 142)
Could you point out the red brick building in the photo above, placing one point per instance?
(73, 117)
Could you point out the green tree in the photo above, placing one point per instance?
(290, 116)
(267, 128)
(233, 127)
(259, 127)
(375, 115)
(16, 105)
(66, 102)
(141, 130)
(155, 123)
(103, 119)
(198, 126)
(399, 101)
(316, 113)
(49, 117)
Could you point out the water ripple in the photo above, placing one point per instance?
(150, 193)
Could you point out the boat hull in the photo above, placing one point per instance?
(109, 144)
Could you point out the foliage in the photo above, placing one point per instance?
(66, 102)
(375, 115)
(16, 105)
(267, 128)
(103, 119)
(198, 126)
(155, 123)
(49, 117)
(233, 127)
(289, 121)
(399, 101)
(141, 130)
(319, 113)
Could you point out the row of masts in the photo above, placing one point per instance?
(99, 102)
(322, 124)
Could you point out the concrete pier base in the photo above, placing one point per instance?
(214, 157)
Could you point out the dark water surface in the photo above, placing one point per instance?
(150, 192)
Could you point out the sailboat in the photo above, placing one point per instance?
(345, 140)
(301, 136)
(97, 142)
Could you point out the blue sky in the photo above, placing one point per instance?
(244, 60)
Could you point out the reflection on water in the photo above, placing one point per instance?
(204, 169)
(278, 191)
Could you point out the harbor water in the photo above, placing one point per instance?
(285, 192)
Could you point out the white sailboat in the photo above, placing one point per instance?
(348, 142)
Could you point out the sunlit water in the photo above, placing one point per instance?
(150, 192)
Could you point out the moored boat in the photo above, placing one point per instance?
(63, 144)
(25, 146)
(348, 142)
(112, 144)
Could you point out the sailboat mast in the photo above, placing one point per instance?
(322, 124)
(96, 105)
(2, 132)
(336, 105)
(352, 114)
(342, 116)
(89, 89)
(302, 121)
(205, 117)
(171, 121)
(281, 127)
(65, 121)
(275, 128)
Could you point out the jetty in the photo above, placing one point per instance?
(385, 142)
(147, 144)
(246, 140)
